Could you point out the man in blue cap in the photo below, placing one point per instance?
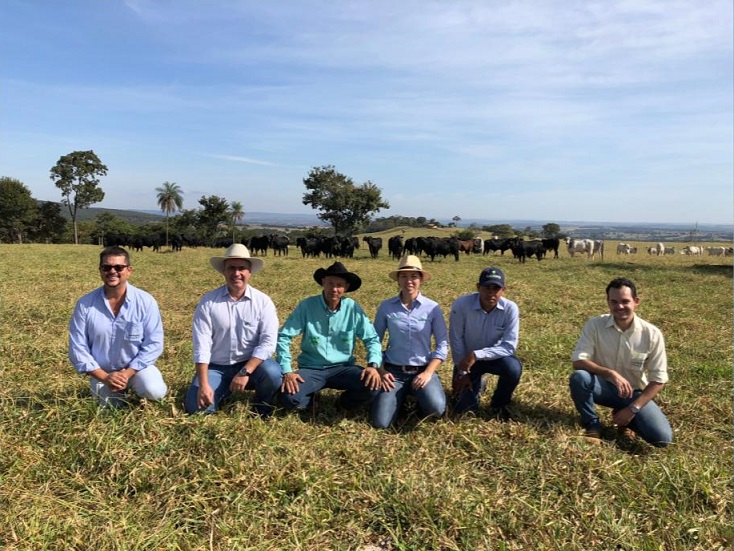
(483, 333)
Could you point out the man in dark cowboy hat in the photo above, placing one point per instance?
(329, 324)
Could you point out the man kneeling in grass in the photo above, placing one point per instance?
(116, 335)
(620, 362)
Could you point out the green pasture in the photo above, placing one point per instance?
(151, 477)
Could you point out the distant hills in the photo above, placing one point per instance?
(606, 230)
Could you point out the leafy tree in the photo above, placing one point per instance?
(112, 230)
(456, 219)
(346, 206)
(76, 175)
(551, 230)
(50, 224)
(465, 234)
(421, 221)
(214, 211)
(237, 213)
(18, 209)
(500, 230)
(530, 232)
(170, 199)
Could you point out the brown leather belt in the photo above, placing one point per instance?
(405, 368)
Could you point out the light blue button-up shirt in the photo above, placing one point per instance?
(410, 331)
(328, 338)
(98, 339)
(228, 331)
(489, 335)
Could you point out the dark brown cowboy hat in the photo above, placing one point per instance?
(339, 270)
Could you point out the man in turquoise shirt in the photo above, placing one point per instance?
(329, 324)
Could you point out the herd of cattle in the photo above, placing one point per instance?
(431, 247)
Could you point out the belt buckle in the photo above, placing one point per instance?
(409, 368)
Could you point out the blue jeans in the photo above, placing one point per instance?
(509, 370)
(588, 389)
(431, 399)
(341, 377)
(265, 380)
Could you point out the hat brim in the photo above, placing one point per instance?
(354, 281)
(217, 263)
(425, 275)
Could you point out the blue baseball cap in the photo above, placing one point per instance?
(492, 276)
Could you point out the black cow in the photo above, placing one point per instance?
(411, 247)
(395, 246)
(434, 246)
(309, 246)
(492, 245)
(279, 244)
(551, 244)
(258, 244)
(374, 244)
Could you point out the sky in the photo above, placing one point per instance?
(584, 110)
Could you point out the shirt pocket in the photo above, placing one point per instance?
(638, 359)
(246, 331)
(133, 331)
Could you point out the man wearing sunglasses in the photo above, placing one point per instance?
(116, 335)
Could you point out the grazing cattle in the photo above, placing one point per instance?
(493, 245)
(395, 246)
(279, 244)
(411, 246)
(434, 246)
(478, 246)
(652, 251)
(669, 250)
(346, 248)
(309, 246)
(633, 250)
(522, 249)
(551, 244)
(598, 248)
(660, 248)
(374, 244)
(692, 250)
(623, 248)
(258, 245)
(580, 246)
(716, 251)
(466, 246)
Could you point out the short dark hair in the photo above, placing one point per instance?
(619, 282)
(114, 250)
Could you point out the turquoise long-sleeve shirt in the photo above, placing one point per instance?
(327, 338)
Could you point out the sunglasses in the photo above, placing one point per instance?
(109, 267)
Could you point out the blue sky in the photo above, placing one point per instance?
(617, 111)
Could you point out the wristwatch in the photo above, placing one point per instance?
(634, 409)
(372, 365)
(244, 373)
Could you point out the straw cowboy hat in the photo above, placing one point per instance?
(338, 269)
(236, 251)
(410, 263)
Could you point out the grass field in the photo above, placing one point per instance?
(150, 477)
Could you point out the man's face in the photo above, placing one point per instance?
(622, 305)
(114, 271)
(489, 296)
(237, 274)
(334, 288)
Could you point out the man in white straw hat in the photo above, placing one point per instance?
(234, 330)
(410, 361)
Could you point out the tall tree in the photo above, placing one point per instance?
(237, 213)
(214, 211)
(170, 199)
(346, 206)
(76, 175)
(18, 209)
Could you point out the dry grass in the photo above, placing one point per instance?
(150, 477)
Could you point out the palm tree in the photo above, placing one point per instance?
(169, 200)
(237, 213)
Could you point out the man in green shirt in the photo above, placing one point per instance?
(329, 324)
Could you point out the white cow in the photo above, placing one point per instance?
(580, 246)
(669, 250)
(623, 248)
(716, 251)
(652, 251)
(598, 248)
(692, 250)
(660, 248)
